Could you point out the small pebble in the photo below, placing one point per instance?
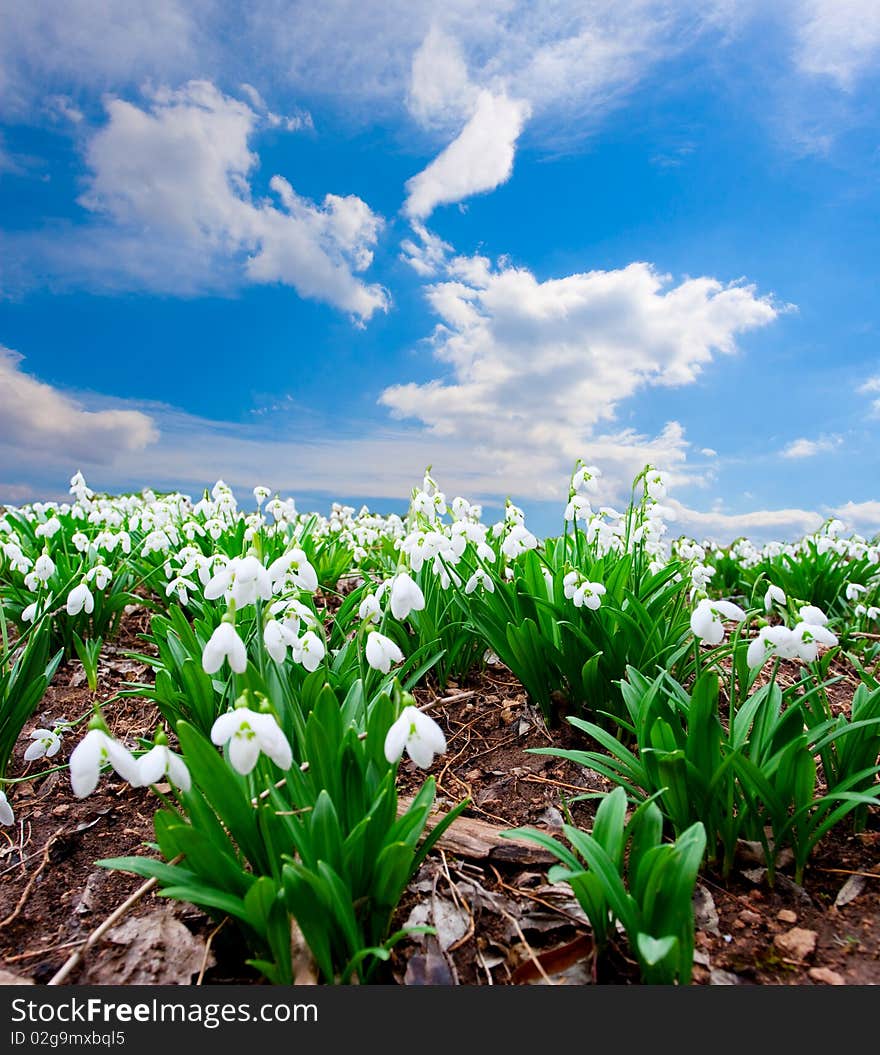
(786, 915)
(826, 976)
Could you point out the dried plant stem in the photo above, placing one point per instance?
(25, 894)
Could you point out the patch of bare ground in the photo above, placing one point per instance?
(498, 920)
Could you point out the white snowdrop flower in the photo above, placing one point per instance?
(261, 494)
(80, 541)
(17, 559)
(6, 814)
(706, 619)
(518, 541)
(224, 644)
(588, 595)
(30, 613)
(79, 488)
(423, 504)
(513, 514)
(160, 761)
(46, 744)
(445, 575)
(80, 599)
(278, 638)
(570, 582)
(44, 567)
(369, 610)
(294, 565)
(853, 590)
(243, 579)
(293, 613)
(584, 479)
(773, 595)
(308, 650)
(100, 575)
(405, 596)
(90, 755)
(485, 552)
(873, 612)
(480, 578)
(381, 652)
(247, 733)
(807, 638)
(813, 615)
(656, 485)
(417, 734)
(181, 587)
(50, 528)
(578, 508)
(771, 640)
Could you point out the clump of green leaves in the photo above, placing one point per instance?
(323, 845)
(744, 773)
(624, 871)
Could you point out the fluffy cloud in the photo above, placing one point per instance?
(864, 516)
(537, 368)
(838, 38)
(174, 179)
(804, 448)
(478, 159)
(100, 45)
(722, 527)
(38, 422)
(441, 91)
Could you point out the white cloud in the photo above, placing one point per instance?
(427, 256)
(536, 368)
(723, 527)
(441, 92)
(709, 452)
(863, 516)
(477, 160)
(170, 186)
(38, 422)
(805, 448)
(838, 38)
(100, 45)
(871, 387)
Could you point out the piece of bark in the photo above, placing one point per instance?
(479, 841)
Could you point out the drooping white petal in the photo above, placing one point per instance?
(6, 814)
(729, 610)
(224, 726)
(244, 750)
(813, 615)
(272, 740)
(85, 763)
(151, 766)
(395, 738)
(178, 772)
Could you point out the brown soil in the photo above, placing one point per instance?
(498, 919)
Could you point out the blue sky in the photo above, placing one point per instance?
(320, 247)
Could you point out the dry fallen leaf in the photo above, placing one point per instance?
(705, 913)
(850, 891)
(156, 949)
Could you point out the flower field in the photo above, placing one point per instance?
(429, 749)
